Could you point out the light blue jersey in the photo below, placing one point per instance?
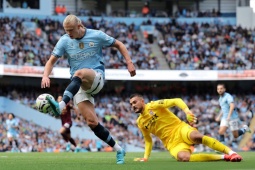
(85, 52)
(225, 101)
(11, 126)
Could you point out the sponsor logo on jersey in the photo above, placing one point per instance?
(151, 121)
(82, 56)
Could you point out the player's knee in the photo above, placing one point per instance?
(196, 137)
(183, 157)
(78, 73)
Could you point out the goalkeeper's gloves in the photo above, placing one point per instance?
(140, 159)
(191, 118)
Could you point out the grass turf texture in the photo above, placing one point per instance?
(106, 161)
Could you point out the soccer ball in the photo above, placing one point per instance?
(42, 105)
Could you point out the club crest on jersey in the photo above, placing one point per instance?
(91, 44)
(151, 112)
(81, 45)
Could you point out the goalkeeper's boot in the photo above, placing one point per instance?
(54, 106)
(120, 156)
(233, 158)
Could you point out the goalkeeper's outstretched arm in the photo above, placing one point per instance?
(167, 103)
(148, 147)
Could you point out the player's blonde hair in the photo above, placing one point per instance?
(72, 19)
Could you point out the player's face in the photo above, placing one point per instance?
(72, 30)
(221, 89)
(137, 104)
(10, 116)
(59, 98)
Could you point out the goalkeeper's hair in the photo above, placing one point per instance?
(135, 95)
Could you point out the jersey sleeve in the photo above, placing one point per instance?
(147, 140)
(105, 39)
(16, 123)
(167, 103)
(230, 99)
(59, 48)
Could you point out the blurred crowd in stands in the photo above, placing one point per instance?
(114, 112)
(207, 46)
(148, 11)
(187, 13)
(22, 47)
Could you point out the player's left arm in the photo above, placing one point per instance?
(108, 41)
(230, 101)
(178, 102)
(123, 50)
(15, 125)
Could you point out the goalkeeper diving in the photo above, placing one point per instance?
(177, 136)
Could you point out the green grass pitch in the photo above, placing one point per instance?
(106, 161)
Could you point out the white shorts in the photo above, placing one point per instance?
(83, 95)
(12, 135)
(232, 124)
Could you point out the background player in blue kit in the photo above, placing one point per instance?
(83, 48)
(12, 131)
(228, 116)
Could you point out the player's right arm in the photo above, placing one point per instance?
(58, 52)
(47, 70)
(217, 119)
(178, 102)
(230, 101)
(148, 146)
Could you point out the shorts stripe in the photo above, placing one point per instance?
(96, 86)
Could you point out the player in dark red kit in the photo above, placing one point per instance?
(66, 121)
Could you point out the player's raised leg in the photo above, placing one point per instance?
(88, 112)
(70, 91)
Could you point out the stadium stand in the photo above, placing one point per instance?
(35, 48)
(185, 46)
(207, 46)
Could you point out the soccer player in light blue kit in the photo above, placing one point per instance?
(228, 116)
(83, 48)
(12, 131)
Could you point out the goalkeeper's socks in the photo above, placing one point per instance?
(202, 157)
(215, 144)
(231, 152)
